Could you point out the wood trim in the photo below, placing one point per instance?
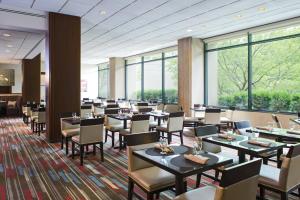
(62, 70)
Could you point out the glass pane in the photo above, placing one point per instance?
(153, 80)
(134, 82)
(228, 77)
(103, 66)
(280, 32)
(132, 60)
(276, 75)
(171, 53)
(153, 56)
(103, 83)
(227, 42)
(171, 80)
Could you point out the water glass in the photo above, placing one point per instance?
(74, 114)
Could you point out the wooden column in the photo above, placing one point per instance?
(112, 78)
(116, 78)
(62, 70)
(185, 74)
(31, 86)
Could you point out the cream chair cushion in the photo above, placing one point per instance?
(205, 193)
(153, 178)
(70, 132)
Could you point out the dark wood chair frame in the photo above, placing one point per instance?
(63, 138)
(110, 111)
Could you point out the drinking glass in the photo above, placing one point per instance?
(74, 114)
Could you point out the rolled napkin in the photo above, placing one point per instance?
(196, 158)
(293, 132)
(158, 146)
(264, 128)
(226, 136)
(166, 149)
(259, 143)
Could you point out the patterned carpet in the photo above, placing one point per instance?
(31, 168)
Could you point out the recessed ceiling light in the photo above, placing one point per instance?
(238, 17)
(262, 9)
(6, 35)
(10, 46)
(189, 30)
(102, 12)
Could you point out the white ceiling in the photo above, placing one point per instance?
(125, 27)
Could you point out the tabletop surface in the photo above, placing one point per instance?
(176, 163)
(240, 142)
(279, 132)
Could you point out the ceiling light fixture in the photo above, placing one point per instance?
(102, 12)
(10, 46)
(6, 35)
(189, 30)
(262, 9)
(238, 17)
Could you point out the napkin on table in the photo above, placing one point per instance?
(196, 158)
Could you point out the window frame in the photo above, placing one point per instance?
(249, 44)
(107, 69)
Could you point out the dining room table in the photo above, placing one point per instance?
(253, 146)
(122, 117)
(176, 163)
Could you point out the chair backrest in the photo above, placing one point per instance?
(142, 104)
(137, 142)
(91, 131)
(289, 172)
(64, 125)
(110, 101)
(85, 110)
(145, 110)
(160, 107)
(111, 111)
(42, 115)
(212, 116)
(171, 108)
(242, 126)
(239, 181)
(276, 120)
(139, 123)
(229, 112)
(202, 131)
(112, 106)
(175, 121)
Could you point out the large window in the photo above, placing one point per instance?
(103, 75)
(153, 77)
(261, 72)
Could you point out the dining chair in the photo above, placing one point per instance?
(276, 120)
(98, 110)
(228, 118)
(203, 131)
(152, 121)
(85, 111)
(282, 180)
(237, 183)
(151, 179)
(242, 128)
(91, 133)
(112, 125)
(212, 116)
(171, 108)
(40, 121)
(160, 107)
(110, 101)
(67, 130)
(141, 105)
(174, 125)
(112, 105)
(26, 109)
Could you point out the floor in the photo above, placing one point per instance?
(31, 168)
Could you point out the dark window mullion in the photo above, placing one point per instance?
(163, 92)
(142, 79)
(250, 82)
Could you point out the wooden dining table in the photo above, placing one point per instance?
(242, 145)
(176, 164)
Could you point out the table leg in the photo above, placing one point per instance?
(121, 142)
(179, 185)
(242, 157)
(158, 121)
(125, 123)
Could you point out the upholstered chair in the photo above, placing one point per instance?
(282, 180)
(67, 130)
(174, 125)
(237, 183)
(171, 108)
(151, 179)
(152, 122)
(212, 116)
(228, 118)
(112, 125)
(91, 133)
(40, 121)
(85, 111)
(98, 110)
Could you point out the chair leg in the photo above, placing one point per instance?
(67, 145)
(94, 149)
(299, 191)
(284, 196)
(130, 189)
(181, 137)
(73, 150)
(106, 133)
(101, 152)
(265, 161)
(169, 137)
(81, 154)
(87, 148)
(198, 180)
(62, 142)
(112, 139)
(217, 175)
(149, 196)
(157, 195)
(261, 193)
